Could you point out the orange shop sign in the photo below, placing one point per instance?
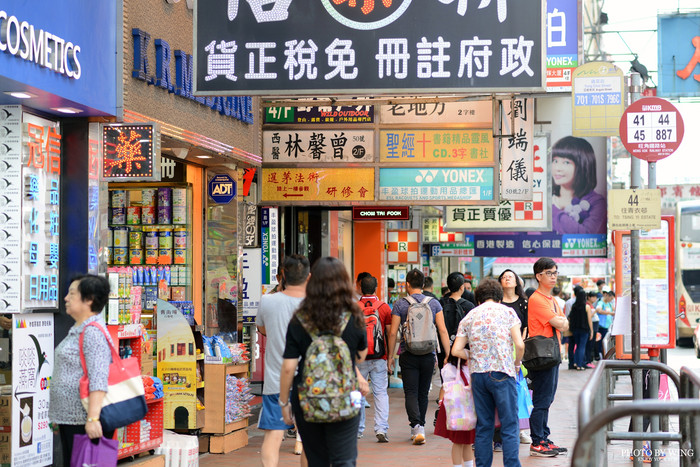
(328, 184)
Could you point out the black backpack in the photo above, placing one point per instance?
(453, 312)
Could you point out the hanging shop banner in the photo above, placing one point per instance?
(32, 366)
(433, 232)
(678, 55)
(250, 226)
(564, 31)
(469, 114)
(510, 216)
(318, 146)
(436, 146)
(436, 184)
(330, 184)
(41, 191)
(319, 115)
(518, 122)
(251, 283)
(392, 47)
(403, 246)
(130, 152)
(597, 99)
(269, 241)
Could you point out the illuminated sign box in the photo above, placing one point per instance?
(130, 152)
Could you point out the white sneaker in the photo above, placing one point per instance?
(414, 431)
(525, 438)
(420, 435)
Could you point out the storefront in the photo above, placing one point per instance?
(55, 73)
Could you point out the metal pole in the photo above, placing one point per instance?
(663, 358)
(635, 182)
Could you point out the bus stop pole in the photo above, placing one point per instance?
(635, 89)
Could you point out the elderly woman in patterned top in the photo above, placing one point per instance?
(87, 295)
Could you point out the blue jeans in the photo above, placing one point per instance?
(580, 339)
(495, 390)
(544, 386)
(376, 372)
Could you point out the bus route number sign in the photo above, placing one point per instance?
(634, 209)
(651, 129)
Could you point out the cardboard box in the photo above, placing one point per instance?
(5, 410)
(222, 444)
(147, 461)
(203, 443)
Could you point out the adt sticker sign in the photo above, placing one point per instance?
(222, 188)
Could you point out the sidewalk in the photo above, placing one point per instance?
(436, 451)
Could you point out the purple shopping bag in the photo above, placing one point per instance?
(98, 453)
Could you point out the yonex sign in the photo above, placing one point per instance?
(222, 188)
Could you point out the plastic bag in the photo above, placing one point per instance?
(102, 452)
(524, 400)
(459, 403)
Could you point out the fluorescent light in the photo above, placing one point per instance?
(66, 110)
(20, 94)
(203, 157)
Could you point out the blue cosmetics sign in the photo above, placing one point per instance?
(436, 184)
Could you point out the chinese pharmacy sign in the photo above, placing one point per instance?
(30, 173)
(283, 47)
(327, 184)
(129, 152)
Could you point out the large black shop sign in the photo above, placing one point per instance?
(367, 46)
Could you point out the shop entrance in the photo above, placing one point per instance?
(316, 232)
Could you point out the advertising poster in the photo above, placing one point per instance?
(318, 146)
(453, 184)
(32, 366)
(11, 201)
(251, 283)
(176, 368)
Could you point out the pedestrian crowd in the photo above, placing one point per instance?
(330, 342)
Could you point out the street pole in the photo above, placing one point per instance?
(635, 89)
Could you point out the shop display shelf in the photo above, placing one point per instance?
(215, 398)
(154, 416)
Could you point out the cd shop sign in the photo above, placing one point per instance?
(24, 40)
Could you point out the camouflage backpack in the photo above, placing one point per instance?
(327, 377)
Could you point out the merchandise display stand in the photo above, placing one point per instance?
(137, 437)
(225, 437)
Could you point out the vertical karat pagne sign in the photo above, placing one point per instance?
(32, 366)
(399, 46)
(517, 120)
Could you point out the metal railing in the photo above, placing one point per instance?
(596, 411)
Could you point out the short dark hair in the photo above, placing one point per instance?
(556, 291)
(415, 278)
(390, 284)
(361, 276)
(296, 269)
(529, 291)
(95, 288)
(592, 294)
(454, 281)
(428, 282)
(599, 282)
(368, 285)
(488, 289)
(543, 264)
(580, 152)
(576, 287)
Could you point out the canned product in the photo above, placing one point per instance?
(151, 296)
(119, 255)
(149, 197)
(119, 198)
(120, 237)
(135, 256)
(180, 215)
(135, 239)
(180, 238)
(151, 255)
(133, 215)
(179, 196)
(108, 251)
(165, 215)
(179, 256)
(151, 236)
(148, 215)
(118, 216)
(165, 196)
(165, 256)
(165, 238)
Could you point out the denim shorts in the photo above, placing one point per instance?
(271, 414)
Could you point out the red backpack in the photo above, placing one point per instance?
(376, 342)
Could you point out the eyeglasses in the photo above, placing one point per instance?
(550, 273)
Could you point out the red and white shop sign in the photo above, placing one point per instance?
(403, 246)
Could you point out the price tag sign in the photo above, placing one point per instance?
(651, 129)
(634, 209)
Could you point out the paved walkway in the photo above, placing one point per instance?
(436, 452)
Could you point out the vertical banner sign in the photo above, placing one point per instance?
(516, 150)
(597, 102)
(250, 227)
(11, 202)
(41, 175)
(563, 41)
(654, 286)
(679, 55)
(269, 232)
(32, 366)
(251, 283)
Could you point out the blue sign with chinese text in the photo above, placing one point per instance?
(679, 55)
(436, 183)
(222, 188)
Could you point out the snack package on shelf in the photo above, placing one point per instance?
(239, 353)
(238, 396)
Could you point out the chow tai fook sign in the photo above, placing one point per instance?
(318, 146)
(380, 213)
(285, 47)
(309, 185)
(130, 152)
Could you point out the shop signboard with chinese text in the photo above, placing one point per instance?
(130, 152)
(469, 114)
(32, 366)
(466, 248)
(433, 232)
(597, 99)
(269, 242)
(634, 209)
(250, 227)
(380, 213)
(518, 123)
(311, 185)
(293, 146)
(320, 115)
(679, 55)
(251, 283)
(423, 185)
(436, 146)
(564, 40)
(651, 128)
(258, 48)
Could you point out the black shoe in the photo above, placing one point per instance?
(436, 416)
(550, 444)
(291, 433)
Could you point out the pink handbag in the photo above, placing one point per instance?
(460, 412)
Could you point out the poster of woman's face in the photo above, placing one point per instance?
(579, 194)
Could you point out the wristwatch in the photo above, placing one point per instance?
(281, 404)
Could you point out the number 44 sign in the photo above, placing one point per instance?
(651, 129)
(634, 209)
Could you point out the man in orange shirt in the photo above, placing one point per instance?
(544, 317)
